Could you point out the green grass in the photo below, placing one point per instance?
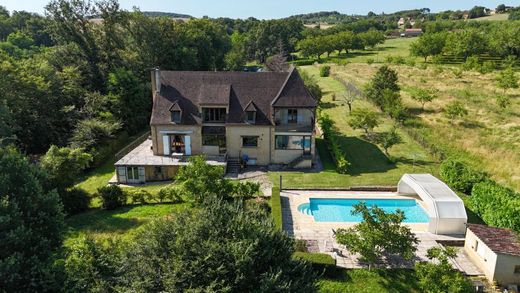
(369, 165)
(376, 280)
(496, 17)
(315, 258)
(276, 207)
(118, 223)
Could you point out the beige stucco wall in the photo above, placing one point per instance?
(195, 136)
(167, 173)
(486, 263)
(499, 268)
(234, 142)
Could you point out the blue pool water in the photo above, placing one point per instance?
(339, 210)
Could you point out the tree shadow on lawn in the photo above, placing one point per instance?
(103, 221)
(398, 280)
(364, 157)
(327, 105)
(418, 111)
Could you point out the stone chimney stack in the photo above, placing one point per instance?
(156, 80)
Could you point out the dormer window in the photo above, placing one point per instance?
(176, 116)
(251, 117)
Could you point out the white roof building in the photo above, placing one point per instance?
(445, 209)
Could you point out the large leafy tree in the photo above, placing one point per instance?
(427, 45)
(64, 165)
(440, 276)
(384, 79)
(364, 118)
(31, 226)
(222, 247)
(378, 234)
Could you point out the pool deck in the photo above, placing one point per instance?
(320, 237)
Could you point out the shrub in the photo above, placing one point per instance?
(459, 176)
(303, 62)
(423, 66)
(457, 73)
(325, 71)
(389, 59)
(471, 64)
(333, 143)
(399, 60)
(487, 67)
(497, 205)
(370, 61)
(170, 193)
(246, 189)
(75, 200)
(276, 207)
(138, 196)
(112, 197)
(410, 62)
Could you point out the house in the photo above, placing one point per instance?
(496, 251)
(401, 22)
(253, 118)
(412, 32)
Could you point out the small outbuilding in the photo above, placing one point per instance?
(496, 251)
(444, 207)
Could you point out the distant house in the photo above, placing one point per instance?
(412, 32)
(253, 118)
(495, 251)
(401, 22)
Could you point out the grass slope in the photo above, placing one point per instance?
(376, 280)
(369, 165)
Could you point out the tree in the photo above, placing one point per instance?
(423, 96)
(312, 85)
(466, 43)
(200, 180)
(388, 139)
(379, 234)
(507, 79)
(372, 38)
(429, 44)
(440, 276)
(64, 165)
(32, 225)
(455, 109)
(221, 247)
(477, 11)
(500, 8)
(312, 46)
(351, 94)
(363, 118)
(384, 79)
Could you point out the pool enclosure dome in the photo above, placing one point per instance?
(445, 209)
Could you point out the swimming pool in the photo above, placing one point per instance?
(339, 210)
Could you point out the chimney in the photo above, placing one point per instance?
(156, 80)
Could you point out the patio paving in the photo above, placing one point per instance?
(304, 227)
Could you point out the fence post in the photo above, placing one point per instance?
(280, 183)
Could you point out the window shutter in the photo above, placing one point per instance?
(121, 174)
(299, 116)
(141, 174)
(166, 145)
(187, 144)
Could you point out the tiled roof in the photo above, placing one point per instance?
(190, 89)
(499, 240)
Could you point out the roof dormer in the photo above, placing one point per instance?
(250, 111)
(176, 113)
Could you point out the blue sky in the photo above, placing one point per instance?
(271, 8)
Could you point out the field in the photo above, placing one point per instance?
(369, 165)
(488, 138)
(496, 17)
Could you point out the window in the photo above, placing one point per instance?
(157, 170)
(176, 116)
(250, 116)
(292, 142)
(216, 115)
(517, 269)
(249, 141)
(132, 173)
(213, 140)
(292, 116)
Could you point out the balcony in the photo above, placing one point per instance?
(295, 128)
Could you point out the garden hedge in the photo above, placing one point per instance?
(276, 207)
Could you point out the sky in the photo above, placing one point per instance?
(266, 9)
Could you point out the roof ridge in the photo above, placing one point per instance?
(292, 69)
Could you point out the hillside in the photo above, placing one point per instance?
(166, 14)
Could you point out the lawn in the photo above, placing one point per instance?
(369, 165)
(496, 17)
(376, 280)
(122, 222)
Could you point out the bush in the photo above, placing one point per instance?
(471, 64)
(457, 73)
(246, 189)
(389, 59)
(138, 196)
(300, 245)
(276, 207)
(459, 176)
(370, 61)
(497, 205)
(488, 67)
(112, 197)
(325, 71)
(410, 62)
(170, 193)
(75, 200)
(333, 143)
(399, 60)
